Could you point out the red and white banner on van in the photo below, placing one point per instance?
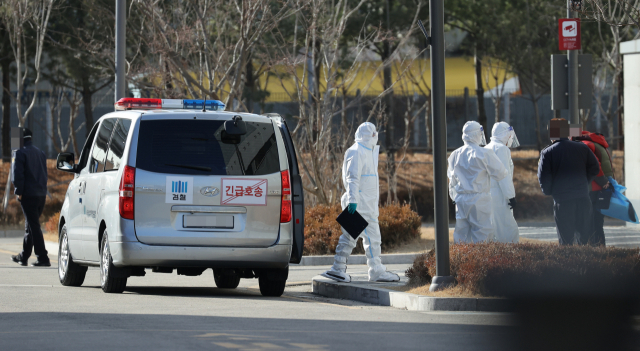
(236, 191)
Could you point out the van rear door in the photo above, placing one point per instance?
(298, 192)
(196, 186)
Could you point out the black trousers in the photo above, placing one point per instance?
(598, 229)
(573, 221)
(32, 207)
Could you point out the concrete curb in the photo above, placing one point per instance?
(369, 292)
(357, 259)
(12, 233)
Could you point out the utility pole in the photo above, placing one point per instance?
(572, 58)
(443, 276)
(121, 27)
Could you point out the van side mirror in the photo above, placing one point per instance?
(66, 162)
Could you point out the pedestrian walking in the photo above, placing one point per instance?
(599, 146)
(503, 194)
(565, 171)
(471, 169)
(362, 192)
(29, 175)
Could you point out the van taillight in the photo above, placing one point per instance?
(285, 208)
(127, 184)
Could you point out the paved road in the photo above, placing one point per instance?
(618, 236)
(170, 312)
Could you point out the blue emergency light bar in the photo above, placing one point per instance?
(167, 104)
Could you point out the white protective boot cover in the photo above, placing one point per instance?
(387, 277)
(337, 276)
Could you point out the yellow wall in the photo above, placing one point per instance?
(459, 73)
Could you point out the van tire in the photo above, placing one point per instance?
(273, 281)
(226, 279)
(108, 282)
(69, 272)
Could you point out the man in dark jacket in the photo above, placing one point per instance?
(599, 146)
(29, 174)
(565, 172)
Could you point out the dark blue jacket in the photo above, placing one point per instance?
(30, 171)
(566, 169)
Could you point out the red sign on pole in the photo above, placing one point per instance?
(569, 33)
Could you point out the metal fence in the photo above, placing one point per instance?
(516, 110)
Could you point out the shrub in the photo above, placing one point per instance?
(51, 226)
(487, 268)
(398, 225)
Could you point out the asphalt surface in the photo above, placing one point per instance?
(170, 312)
(618, 236)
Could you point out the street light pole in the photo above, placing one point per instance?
(572, 57)
(443, 276)
(120, 48)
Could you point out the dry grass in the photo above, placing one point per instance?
(494, 269)
(57, 186)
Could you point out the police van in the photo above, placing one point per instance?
(166, 184)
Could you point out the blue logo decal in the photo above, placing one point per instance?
(179, 187)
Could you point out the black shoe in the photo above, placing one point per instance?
(17, 259)
(39, 263)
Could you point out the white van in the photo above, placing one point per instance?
(163, 185)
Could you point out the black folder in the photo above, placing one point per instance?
(354, 224)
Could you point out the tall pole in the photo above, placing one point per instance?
(120, 48)
(572, 57)
(439, 126)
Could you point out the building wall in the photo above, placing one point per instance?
(632, 126)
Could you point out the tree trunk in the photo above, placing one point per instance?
(87, 95)
(482, 115)
(249, 84)
(537, 114)
(6, 109)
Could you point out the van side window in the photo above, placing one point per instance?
(117, 144)
(100, 148)
(84, 154)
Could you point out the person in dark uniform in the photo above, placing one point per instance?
(565, 172)
(30, 181)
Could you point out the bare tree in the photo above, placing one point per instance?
(56, 102)
(20, 16)
(622, 19)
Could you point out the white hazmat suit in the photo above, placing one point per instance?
(471, 168)
(505, 226)
(360, 180)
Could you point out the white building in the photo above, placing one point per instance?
(631, 56)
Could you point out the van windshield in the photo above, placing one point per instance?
(197, 147)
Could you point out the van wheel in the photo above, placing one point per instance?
(109, 283)
(226, 279)
(273, 281)
(69, 272)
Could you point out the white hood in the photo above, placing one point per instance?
(367, 135)
(472, 133)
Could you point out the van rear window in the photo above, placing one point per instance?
(196, 147)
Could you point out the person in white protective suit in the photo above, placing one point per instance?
(471, 168)
(360, 180)
(503, 194)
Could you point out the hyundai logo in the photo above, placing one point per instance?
(209, 191)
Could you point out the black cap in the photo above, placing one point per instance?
(26, 134)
